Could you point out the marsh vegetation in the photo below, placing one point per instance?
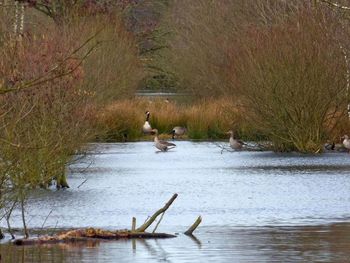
(69, 71)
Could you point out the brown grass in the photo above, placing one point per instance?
(206, 119)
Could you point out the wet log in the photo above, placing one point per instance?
(87, 234)
(194, 226)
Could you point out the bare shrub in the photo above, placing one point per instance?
(202, 33)
(283, 61)
(49, 93)
(291, 77)
(114, 70)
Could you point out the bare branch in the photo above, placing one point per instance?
(335, 5)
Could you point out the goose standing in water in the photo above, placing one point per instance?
(146, 128)
(178, 131)
(234, 143)
(162, 145)
(346, 142)
(329, 146)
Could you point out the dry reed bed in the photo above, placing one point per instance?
(206, 119)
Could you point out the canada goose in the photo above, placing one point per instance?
(146, 128)
(234, 143)
(346, 142)
(162, 145)
(178, 131)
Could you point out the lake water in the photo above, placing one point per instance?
(256, 206)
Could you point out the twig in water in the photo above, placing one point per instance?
(156, 214)
(54, 228)
(222, 147)
(42, 227)
(148, 217)
(7, 217)
(193, 226)
(160, 219)
(83, 182)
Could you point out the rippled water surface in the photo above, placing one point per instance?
(256, 206)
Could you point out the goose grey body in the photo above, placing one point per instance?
(329, 146)
(146, 128)
(162, 145)
(178, 131)
(234, 143)
(346, 142)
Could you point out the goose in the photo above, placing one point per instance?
(329, 146)
(146, 128)
(234, 143)
(162, 145)
(346, 142)
(178, 131)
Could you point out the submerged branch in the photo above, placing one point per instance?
(194, 226)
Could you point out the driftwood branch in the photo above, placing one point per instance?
(156, 214)
(194, 226)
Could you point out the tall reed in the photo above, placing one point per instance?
(207, 119)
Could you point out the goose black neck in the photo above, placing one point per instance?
(147, 118)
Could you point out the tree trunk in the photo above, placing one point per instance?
(62, 181)
(25, 229)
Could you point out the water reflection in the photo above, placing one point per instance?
(246, 199)
(328, 243)
(296, 168)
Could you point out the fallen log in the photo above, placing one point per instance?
(87, 234)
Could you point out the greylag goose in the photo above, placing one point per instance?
(178, 131)
(346, 142)
(146, 128)
(329, 146)
(234, 143)
(162, 145)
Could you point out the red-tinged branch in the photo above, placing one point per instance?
(51, 74)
